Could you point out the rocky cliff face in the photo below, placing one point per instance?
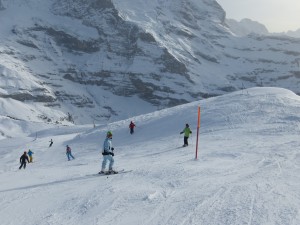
(84, 57)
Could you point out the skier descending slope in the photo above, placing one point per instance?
(51, 143)
(23, 160)
(108, 154)
(69, 153)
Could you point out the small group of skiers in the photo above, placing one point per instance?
(107, 150)
(27, 157)
(24, 159)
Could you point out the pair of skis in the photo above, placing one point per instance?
(113, 173)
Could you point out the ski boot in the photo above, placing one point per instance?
(112, 172)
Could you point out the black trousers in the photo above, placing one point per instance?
(186, 140)
(23, 164)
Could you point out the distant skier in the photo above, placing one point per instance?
(108, 154)
(23, 160)
(51, 143)
(30, 153)
(131, 127)
(69, 153)
(187, 131)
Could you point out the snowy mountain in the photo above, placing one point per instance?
(99, 60)
(295, 33)
(247, 171)
(246, 27)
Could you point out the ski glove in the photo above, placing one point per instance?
(112, 154)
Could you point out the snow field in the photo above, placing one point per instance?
(247, 171)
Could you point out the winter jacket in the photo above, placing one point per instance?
(68, 150)
(30, 153)
(131, 125)
(187, 131)
(107, 147)
(23, 158)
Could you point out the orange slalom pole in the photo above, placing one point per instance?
(198, 127)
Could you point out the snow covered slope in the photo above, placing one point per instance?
(295, 33)
(84, 58)
(246, 26)
(247, 171)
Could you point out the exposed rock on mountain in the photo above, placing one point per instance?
(85, 57)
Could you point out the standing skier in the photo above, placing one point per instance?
(23, 160)
(30, 153)
(69, 153)
(108, 154)
(51, 143)
(187, 131)
(131, 127)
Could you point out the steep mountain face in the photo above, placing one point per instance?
(101, 59)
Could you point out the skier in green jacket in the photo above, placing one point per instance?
(187, 131)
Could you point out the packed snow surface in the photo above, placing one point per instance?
(247, 171)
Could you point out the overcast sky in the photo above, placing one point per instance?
(276, 15)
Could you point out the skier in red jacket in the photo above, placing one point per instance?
(131, 127)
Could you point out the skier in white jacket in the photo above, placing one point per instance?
(108, 153)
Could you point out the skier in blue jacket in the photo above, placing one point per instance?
(108, 153)
(30, 153)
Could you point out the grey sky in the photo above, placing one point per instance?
(276, 15)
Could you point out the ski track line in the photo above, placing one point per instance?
(163, 200)
(251, 210)
(157, 213)
(279, 167)
(71, 210)
(118, 205)
(211, 201)
(89, 176)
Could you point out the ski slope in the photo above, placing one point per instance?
(247, 173)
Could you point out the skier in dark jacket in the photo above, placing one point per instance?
(23, 160)
(131, 127)
(51, 143)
